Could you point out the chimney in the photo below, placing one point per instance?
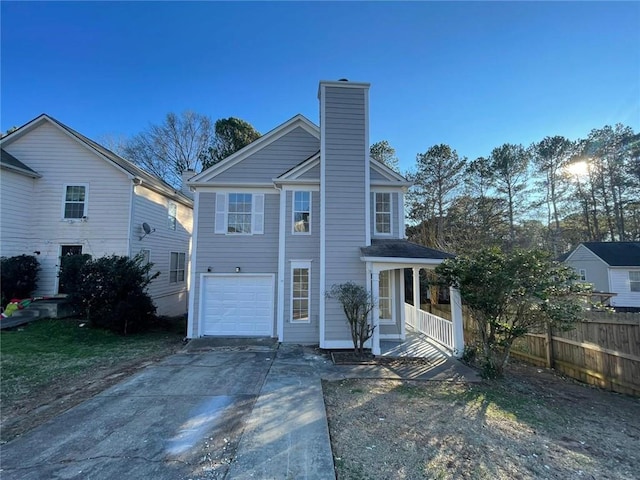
(186, 175)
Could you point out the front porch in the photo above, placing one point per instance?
(415, 345)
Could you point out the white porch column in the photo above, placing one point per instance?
(458, 323)
(416, 288)
(375, 292)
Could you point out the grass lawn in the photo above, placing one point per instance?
(531, 425)
(47, 359)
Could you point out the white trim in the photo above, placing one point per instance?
(20, 171)
(192, 270)
(302, 187)
(132, 198)
(175, 216)
(367, 170)
(323, 219)
(343, 84)
(293, 212)
(402, 224)
(403, 320)
(588, 250)
(392, 320)
(262, 187)
(396, 262)
(85, 203)
(281, 265)
(375, 214)
(392, 176)
(300, 264)
(184, 280)
(300, 169)
(263, 141)
(295, 183)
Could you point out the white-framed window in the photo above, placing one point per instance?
(300, 292)
(385, 297)
(239, 213)
(583, 275)
(634, 280)
(75, 202)
(382, 213)
(172, 212)
(177, 267)
(146, 256)
(301, 212)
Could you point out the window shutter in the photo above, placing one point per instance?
(221, 213)
(257, 216)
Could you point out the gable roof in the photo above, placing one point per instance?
(12, 163)
(265, 140)
(616, 254)
(389, 174)
(127, 167)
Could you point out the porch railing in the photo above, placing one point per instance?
(435, 327)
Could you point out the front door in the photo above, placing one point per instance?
(66, 251)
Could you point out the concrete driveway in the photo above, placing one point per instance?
(181, 418)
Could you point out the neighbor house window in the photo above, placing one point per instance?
(634, 280)
(176, 268)
(75, 198)
(383, 213)
(239, 213)
(384, 296)
(300, 291)
(172, 210)
(583, 275)
(301, 212)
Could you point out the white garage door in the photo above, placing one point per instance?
(238, 305)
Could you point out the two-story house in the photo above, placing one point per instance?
(64, 194)
(301, 209)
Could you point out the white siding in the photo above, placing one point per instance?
(620, 284)
(152, 208)
(346, 157)
(16, 197)
(62, 160)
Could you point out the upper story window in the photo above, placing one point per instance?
(172, 210)
(634, 280)
(301, 212)
(583, 275)
(75, 201)
(382, 213)
(239, 213)
(177, 267)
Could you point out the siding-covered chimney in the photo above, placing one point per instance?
(344, 191)
(186, 175)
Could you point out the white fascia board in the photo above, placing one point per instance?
(263, 141)
(301, 169)
(239, 188)
(306, 186)
(191, 319)
(390, 263)
(387, 172)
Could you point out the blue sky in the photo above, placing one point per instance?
(473, 75)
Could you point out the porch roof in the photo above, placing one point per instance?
(402, 251)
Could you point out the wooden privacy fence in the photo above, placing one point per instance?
(603, 349)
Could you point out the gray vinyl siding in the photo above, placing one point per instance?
(377, 176)
(273, 160)
(597, 272)
(313, 174)
(302, 247)
(346, 154)
(223, 253)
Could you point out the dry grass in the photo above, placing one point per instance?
(532, 425)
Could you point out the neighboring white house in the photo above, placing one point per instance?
(612, 267)
(64, 194)
(293, 213)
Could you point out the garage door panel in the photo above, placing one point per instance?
(238, 305)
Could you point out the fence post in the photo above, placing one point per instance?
(456, 319)
(548, 343)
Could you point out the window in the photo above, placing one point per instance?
(176, 268)
(634, 280)
(300, 292)
(301, 212)
(172, 210)
(146, 256)
(383, 213)
(239, 213)
(384, 297)
(75, 197)
(583, 275)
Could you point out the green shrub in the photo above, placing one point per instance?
(112, 293)
(18, 277)
(69, 277)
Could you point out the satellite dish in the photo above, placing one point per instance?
(147, 230)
